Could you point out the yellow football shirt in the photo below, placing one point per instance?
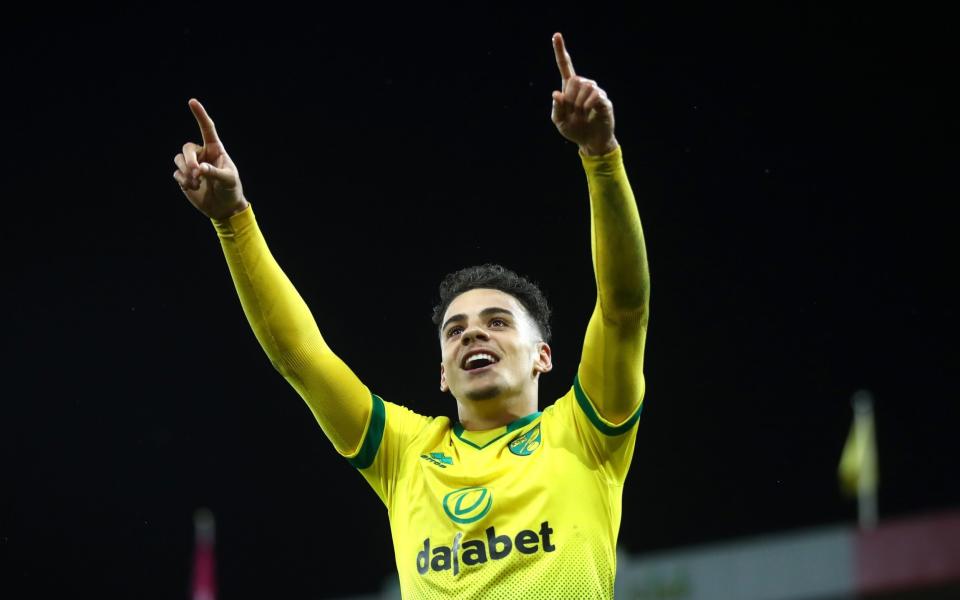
(528, 510)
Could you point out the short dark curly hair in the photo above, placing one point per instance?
(495, 277)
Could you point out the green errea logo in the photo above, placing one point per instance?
(526, 444)
(438, 458)
(467, 505)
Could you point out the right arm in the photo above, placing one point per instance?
(278, 315)
(289, 335)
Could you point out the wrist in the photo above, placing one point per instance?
(242, 206)
(600, 149)
(234, 210)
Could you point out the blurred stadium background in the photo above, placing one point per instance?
(795, 165)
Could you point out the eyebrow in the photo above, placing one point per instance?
(483, 313)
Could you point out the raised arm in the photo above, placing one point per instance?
(611, 367)
(279, 317)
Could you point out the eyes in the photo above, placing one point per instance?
(495, 323)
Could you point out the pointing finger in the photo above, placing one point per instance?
(563, 58)
(205, 122)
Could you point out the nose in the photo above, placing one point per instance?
(473, 333)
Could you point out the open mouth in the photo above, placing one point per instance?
(479, 360)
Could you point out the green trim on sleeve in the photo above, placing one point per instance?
(602, 425)
(371, 441)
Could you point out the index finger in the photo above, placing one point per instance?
(207, 129)
(563, 58)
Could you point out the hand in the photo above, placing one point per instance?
(581, 110)
(207, 176)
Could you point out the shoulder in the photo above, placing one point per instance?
(577, 406)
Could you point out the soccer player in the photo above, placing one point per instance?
(507, 502)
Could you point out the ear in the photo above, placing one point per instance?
(443, 380)
(544, 362)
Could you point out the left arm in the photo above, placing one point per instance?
(611, 368)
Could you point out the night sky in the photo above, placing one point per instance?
(795, 174)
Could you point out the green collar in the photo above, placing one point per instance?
(482, 439)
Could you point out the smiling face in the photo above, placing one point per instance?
(490, 347)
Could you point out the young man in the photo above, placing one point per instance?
(508, 502)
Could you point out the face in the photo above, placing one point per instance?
(490, 346)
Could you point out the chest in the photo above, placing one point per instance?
(455, 484)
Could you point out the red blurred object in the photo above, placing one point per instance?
(909, 553)
(204, 575)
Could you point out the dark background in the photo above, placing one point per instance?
(794, 170)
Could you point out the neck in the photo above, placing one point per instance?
(478, 415)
